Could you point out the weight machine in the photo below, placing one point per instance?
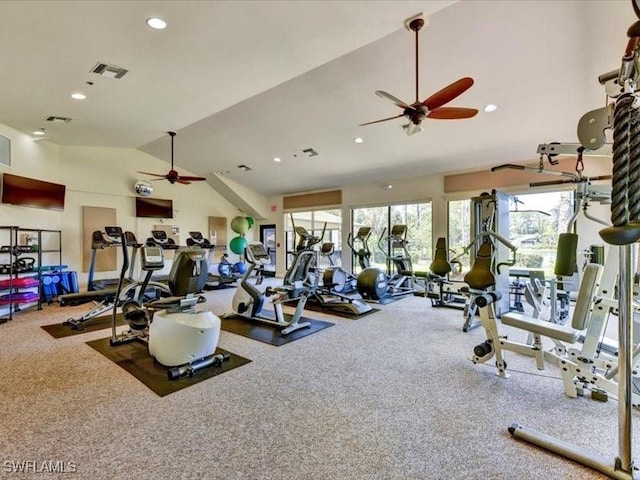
(623, 116)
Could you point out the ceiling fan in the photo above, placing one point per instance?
(432, 107)
(173, 176)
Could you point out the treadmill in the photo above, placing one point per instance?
(214, 280)
(104, 298)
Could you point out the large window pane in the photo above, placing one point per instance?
(317, 223)
(459, 235)
(417, 218)
(535, 223)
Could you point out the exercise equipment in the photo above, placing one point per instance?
(376, 285)
(625, 216)
(226, 276)
(103, 300)
(176, 334)
(335, 277)
(359, 245)
(159, 238)
(326, 296)
(102, 240)
(248, 301)
(440, 289)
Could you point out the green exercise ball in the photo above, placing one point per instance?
(238, 244)
(240, 225)
(251, 221)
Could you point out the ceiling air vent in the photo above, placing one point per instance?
(110, 71)
(55, 119)
(310, 152)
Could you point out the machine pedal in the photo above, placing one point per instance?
(599, 395)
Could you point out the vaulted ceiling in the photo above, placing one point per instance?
(243, 82)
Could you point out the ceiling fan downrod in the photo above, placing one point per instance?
(416, 25)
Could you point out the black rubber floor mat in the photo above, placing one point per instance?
(134, 357)
(58, 330)
(316, 307)
(267, 333)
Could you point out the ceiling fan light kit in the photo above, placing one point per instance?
(173, 176)
(433, 107)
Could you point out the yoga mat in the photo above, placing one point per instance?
(134, 357)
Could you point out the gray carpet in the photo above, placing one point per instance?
(394, 397)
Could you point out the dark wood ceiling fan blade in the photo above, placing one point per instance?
(153, 174)
(192, 179)
(394, 100)
(183, 181)
(382, 120)
(452, 113)
(448, 93)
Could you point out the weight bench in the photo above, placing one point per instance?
(579, 371)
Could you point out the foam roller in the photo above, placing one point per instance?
(566, 255)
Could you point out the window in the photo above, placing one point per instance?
(535, 223)
(459, 236)
(417, 218)
(324, 224)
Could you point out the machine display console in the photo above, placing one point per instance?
(152, 258)
(257, 253)
(113, 232)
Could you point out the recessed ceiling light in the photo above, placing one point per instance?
(39, 132)
(387, 187)
(490, 108)
(156, 23)
(277, 159)
(78, 96)
(358, 140)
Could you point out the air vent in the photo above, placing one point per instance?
(310, 152)
(110, 71)
(55, 119)
(244, 168)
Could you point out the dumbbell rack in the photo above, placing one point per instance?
(20, 276)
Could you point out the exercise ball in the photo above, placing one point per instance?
(241, 267)
(239, 225)
(237, 245)
(251, 221)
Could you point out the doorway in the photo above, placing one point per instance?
(268, 239)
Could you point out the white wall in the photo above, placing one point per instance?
(103, 177)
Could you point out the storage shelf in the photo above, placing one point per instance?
(23, 287)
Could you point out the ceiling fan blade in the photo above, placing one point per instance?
(192, 179)
(383, 120)
(158, 179)
(183, 181)
(452, 113)
(396, 101)
(448, 93)
(153, 174)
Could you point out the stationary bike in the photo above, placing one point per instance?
(177, 335)
(248, 300)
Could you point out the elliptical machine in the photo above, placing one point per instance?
(248, 301)
(177, 335)
(374, 284)
(326, 296)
